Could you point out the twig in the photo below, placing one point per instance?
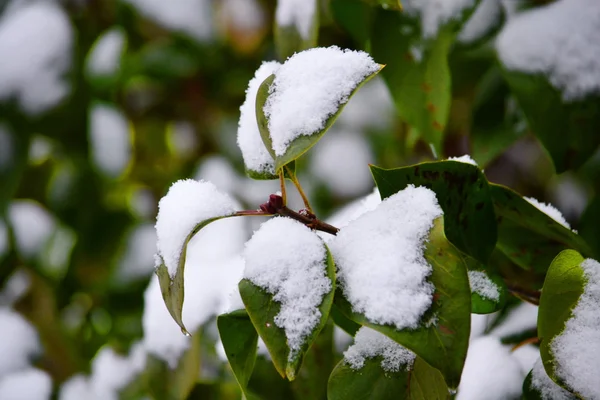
(530, 296)
(533, 340)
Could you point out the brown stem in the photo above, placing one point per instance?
(296, 183)
(309, 220)
(282, 185)
(530, 296)
(525, 342)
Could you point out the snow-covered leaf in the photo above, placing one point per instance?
(288, 289)
(303, 98)
(431, 314)
(488, 291)
(187, 208)
(568, 325)
(377, 368)
(463, 193)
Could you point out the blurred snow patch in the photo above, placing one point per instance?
(28, 384)
(245, 15)
(109, 140)
(341, 160)
(105, 56)
(371, 107)
(519, 319)
(435, 13)
(192, 17)
(296, 13)
(218, 169)
(15, 287)
(558, 40)
(484, 19)
(18, 342)
(32, 226)
(35, 48)
(183, 139)
(138, 260)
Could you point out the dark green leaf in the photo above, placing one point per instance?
(564, 285)
(262, 310)
(462, 192)
(528, 238)
(172, 289)
(443, 343)
(13, 166)
(529, 392)
(550, 117)
(240, 342)
(303, 143)
(288, 40)
(386, 4)
(354, 16)
(371, 382)
(419, 82)
(589, 228)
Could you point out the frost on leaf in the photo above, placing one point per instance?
(256, 157)
(310, 88)
(548, 389)
(381, 266)
(577, 349)
(484, 286)
(558, 40)
(187, 204)
(369, 343)
(464, 159)
(289, 261)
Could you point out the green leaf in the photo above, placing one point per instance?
(462, 192)
(288, 40)
(172, 289)
(301, 144)
(589, 228)
(262, 310)
(529, 392)
(416, 72)
(386, 4)
(564, 285)
(13, 166)
(240, 342)
(289, 173)
(355, 17)
(550, 117)
(528, 238)
(421, 382)
(484, 305)
(442, 342)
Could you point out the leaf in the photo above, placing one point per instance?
(564, 284)
(355, 17)
(386, 4)
(13, 163)
(173, 289)
(311, 381)
(349, 326)
(288, 40)
(528, 238)
(529, 392)
(462, 192)
(484, 305)
(289, 173)
(371, 382)
(589, 229)
(303, 143)
(262, 310)
(417, 72)
(240, 342)
(442, 342)
(550, 117)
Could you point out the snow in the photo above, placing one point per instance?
(526, 356)
(521, 318)
(353, 210)
(138, 258)
(32, 226)
(296, 13)
(381, 267)
(15, 287)
(548, 389)
(40, 149)
(245, 15)
(577, 349)
(288, 260)
(191, 17)
(483, 286)
(490, 372)
(18, 341)
(218, 169)
(213, 269)
(309, 88)
(550, 211)
(479, 325)
(370, 107)
(182, 139)
(35, 48)
(111, 372)
(368, 343)
(110, 143)
(484, 19)
(345, 151)
(464, 159)
(557, 40)
(187, 203)
(28, 384)
(255, 154)
(433, 14)
(142, 203)
(105, 56)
